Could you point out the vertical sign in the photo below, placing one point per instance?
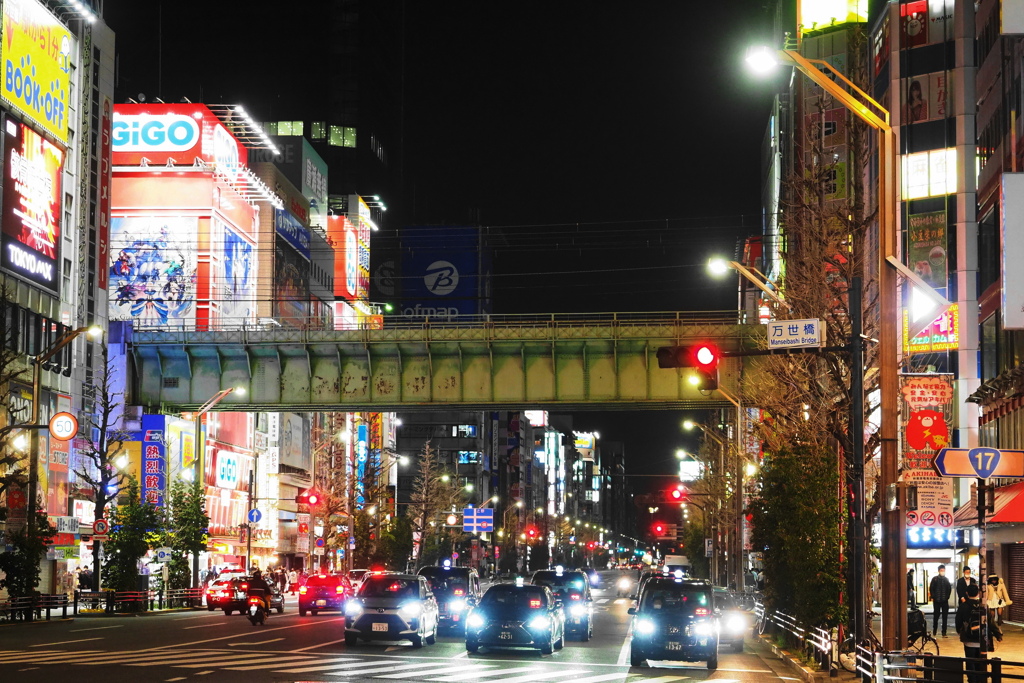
(1011, 207)
(103, 219)
(926, 234)
(926, 405)
(153, 480)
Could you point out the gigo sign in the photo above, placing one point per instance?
(157, 133)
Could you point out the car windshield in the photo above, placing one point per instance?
(389, 587)
(560, 584)
(445, 579)
(319, 580)
(724, 601)
(675, 599)
(506, 596)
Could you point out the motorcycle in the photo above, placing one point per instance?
(257, 609)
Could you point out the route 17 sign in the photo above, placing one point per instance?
(979, 462)
(63, 426)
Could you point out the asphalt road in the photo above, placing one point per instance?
(183, 646)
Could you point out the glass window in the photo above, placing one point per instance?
(675, 599)
(337, 137)
(298, 127)
(988, 250)
(270, 127)
(387, 586)
(349, 137)
(929, 174)
(317, 130)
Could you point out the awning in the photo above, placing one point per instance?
(1009, 507)
(932, 554)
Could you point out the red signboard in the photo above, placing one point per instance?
(33, 168)
(344, 237)
(179, 132)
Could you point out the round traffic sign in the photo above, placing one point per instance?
(452, 520)
(63, 426)
(100, 527)
(319, 543)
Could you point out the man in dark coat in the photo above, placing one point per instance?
(961, 585)
(968, 625)
(939, 591)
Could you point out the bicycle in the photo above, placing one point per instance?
(846, 651)
(921, 641)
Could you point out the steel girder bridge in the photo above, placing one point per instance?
(558, 362)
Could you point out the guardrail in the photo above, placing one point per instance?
(31, 607)
(913, 666)
(814, 641)
(137, 601)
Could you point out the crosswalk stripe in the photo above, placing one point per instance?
(366, 668)
(168, 661)
(115, 657)
(445, 669)
(602, 677)
(602, 601)
(279, 660)
(331, 664)
(221, 661)
(663, 679)
(474, 676)
(35, 656)
(545, 674)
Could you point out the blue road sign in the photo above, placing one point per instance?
(979, 462)
(477, 520)
(255, 515)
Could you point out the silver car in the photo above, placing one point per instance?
(391, 606)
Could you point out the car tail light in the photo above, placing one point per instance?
(460, 591)
(323, 576)
(302, 590)
(245, 586)
(340, 590)
(574, 596)
(534, 604)
(702, 611)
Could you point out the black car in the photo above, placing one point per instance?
(391, 606)
(514, 615)
(733, 620)
(232, 594)
(456, 589)
(675, 620)
(572, 587)
(323, 592)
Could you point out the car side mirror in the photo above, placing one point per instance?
(631, 610)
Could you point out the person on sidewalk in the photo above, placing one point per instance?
(911, 597)
(997, 599)
(968, 625)
(938, 592)
(962, 584)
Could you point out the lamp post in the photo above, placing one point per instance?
(894, 547)
(200, 463)
(716, 524)
(93, 331)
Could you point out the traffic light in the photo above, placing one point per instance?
(703, 358)
(659, 529)
(678, 494)
(308, 497)
(531, 532)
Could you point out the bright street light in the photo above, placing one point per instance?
(762, 59)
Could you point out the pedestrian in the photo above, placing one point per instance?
(962, 584)
(911, 598)
(996, 599)
(938, 592)
(968, 625)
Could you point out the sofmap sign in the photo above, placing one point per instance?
(36, 52)
(33, 169)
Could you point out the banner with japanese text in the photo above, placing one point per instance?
(926, 407)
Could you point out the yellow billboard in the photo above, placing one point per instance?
(36, 52)
(819, 14)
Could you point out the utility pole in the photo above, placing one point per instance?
(248, 520)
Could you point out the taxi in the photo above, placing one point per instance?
(675, 620)
(572, 587)
(392, 606)
(516, 615)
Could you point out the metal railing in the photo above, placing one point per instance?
(815, 642)
(913, 666)
(137, 601)
(32, 607)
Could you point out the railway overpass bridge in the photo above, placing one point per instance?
(556, 362)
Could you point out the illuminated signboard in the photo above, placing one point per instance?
(343, 236)
(180, 132)
(292, 231)
(929, 174)
(31, 206)
(36, 52)
(819, 14)
(943, 334)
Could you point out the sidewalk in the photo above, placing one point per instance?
(1011, 649)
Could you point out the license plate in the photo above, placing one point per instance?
(673, 646)
(505, 635)
(321, 603)
(377, 626)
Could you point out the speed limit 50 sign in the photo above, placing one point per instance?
(63, 426)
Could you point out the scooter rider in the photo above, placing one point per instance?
(257, 582)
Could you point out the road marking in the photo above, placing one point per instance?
(316, 622)
(43, 654)
(277, 660)
(203, 673)
(185, 628)
(258, 642)
(313, 647)
(546, 674)
(97, 628)
(623, 659)
(663, 679)
(66, 642)
(469, 667)
(601, 601)
(499, 672)
(179, 678)
(602, 677)
(461, 655)
(31, 668)
(329, 664)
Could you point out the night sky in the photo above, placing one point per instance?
(600, 136)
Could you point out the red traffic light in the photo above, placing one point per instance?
(659, 528)
(677, 494)
(308, 497)
(706, 356)
(531, 531)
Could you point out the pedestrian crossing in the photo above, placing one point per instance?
(376, 668)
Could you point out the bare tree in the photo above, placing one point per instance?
(13, 370)
(98, 469)
(434, 491)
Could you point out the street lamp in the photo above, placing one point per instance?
(894, 550)
(93, 331)
(720, 266)
(200, 462)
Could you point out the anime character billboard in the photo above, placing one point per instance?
(153, 269)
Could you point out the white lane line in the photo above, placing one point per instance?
(545, 674)
(662, 679)
(179, 678)
(97, 628)
(313, 622)
(470, 667)
(475, 676)
(277, 660)
(228, 660)
(404, 668)
(125, 658)
(203, 673)
(66, 642)
(601, 601)
(603, 677)
(313, 647)
(330, 664)
(623, 659)
(258, 642)
(30, 668)
(170, 661)
(186, 628)
(461, 655)
(43, 654)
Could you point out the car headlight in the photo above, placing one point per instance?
(457, 605)
(475, 621)
(577, 610)
(353, 608)
(623, 583)
(540, 622)
(703, 628)
(736, 624)
(644, 627)
(411, 610)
